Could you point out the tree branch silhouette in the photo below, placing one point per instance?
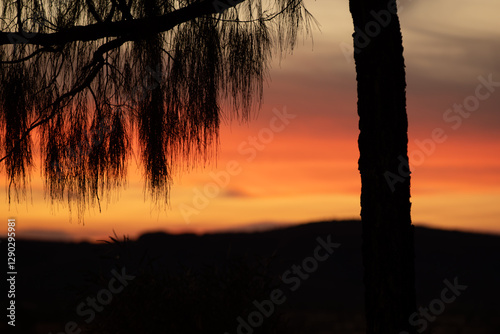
(94, 68)
(158, 70)
(134, 28)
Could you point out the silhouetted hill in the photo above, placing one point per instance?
(54, 277)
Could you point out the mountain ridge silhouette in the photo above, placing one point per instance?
(52, 272)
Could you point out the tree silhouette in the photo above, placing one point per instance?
(87, 76)
(388, 251)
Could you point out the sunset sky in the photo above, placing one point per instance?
(306, 170)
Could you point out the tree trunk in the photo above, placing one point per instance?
(388, 254)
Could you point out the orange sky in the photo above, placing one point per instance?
(308, 169)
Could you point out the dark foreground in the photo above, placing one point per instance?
(303, 279)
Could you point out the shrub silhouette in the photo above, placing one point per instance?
(186, 300)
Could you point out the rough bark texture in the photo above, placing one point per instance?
(388, 253)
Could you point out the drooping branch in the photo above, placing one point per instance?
(19, 6)
(92, 10)
(95, 67)
(136, 28)
(124, 9)
(90, 74)
(36, 52)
